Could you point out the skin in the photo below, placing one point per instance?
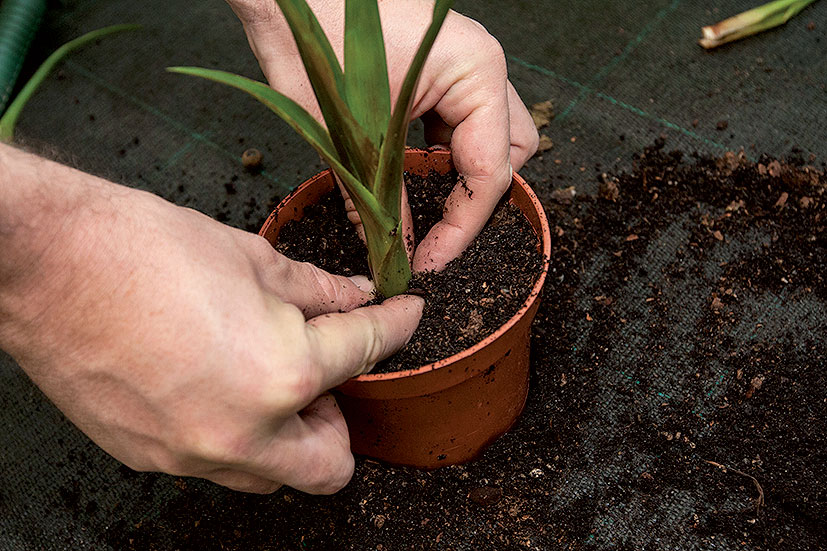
(181, 345)
(464, 98)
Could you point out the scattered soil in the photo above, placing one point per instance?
(464, 303)
(677, 377)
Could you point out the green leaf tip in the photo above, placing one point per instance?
(9, 119)
(750, 22)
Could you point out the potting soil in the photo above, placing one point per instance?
(678, 372)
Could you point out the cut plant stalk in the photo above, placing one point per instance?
(751, 22)
(364, 142)
(9, 118)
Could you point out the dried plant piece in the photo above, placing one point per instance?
(545, 143)
(751, 22)
(542, 113)
(564, 195)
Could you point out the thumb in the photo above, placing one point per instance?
(347, 345)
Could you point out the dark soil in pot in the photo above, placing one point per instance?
(466, 302)
(679, 327)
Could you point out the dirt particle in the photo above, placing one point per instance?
(564, 196)
(485, 496)
(608, 188)
(542, 113)
(545, 143)
(251, 159)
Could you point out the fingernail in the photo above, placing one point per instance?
(363, 283)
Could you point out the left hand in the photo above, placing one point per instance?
(464, 98)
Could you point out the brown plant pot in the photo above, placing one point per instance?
(448, 411)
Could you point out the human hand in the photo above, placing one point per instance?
(179, 344)
(464, 98)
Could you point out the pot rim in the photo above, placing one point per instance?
(544, 235)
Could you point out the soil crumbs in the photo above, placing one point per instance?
(677, 399)
(464, 303)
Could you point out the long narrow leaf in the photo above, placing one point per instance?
(298, 118)
(366, 69)
(751, 22)
(9, 119)
(355, 148)
(392, 155)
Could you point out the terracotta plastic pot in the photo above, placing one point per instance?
(445, 412)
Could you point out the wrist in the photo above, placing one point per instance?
(52, 224)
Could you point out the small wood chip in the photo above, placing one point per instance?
(251, 159)
(632, 237)
(564, 195)
(545, 143)
(542, 113)
(735, 206)
(782, 200)
(608, 188)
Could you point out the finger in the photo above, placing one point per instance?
(310, 451)
(524, 136)
(407, 224)
(313, 290)
(243, 481)
(350, 208)
(356, 220)
(437, 132)
(347, 345)
(481, 147)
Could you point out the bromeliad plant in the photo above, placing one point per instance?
(364, 142)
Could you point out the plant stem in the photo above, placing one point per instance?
(751, 22)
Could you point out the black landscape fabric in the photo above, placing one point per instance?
(679, 377)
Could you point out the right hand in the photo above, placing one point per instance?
(179, 344)
(464, 98)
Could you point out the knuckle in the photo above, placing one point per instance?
(492, 51)
(330, 288)
(172, 463)
(335, 476)
(262, 488)
(253, 11)
(297, 387)
(215, 447)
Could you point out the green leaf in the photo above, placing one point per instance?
(366, 69)
(355, 148)
(751, 22)
(388, 188)
(9, 119)
(298, 118)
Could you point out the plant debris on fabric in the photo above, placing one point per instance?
(677, 399)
